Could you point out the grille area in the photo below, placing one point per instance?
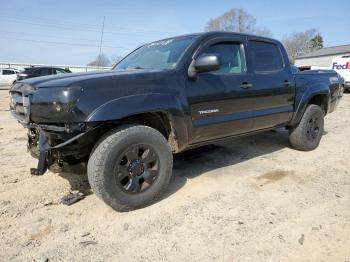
(19, 106)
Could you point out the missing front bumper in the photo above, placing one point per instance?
(44, 149)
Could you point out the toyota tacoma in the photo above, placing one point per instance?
(163, 98)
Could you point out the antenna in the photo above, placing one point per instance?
(103, 27)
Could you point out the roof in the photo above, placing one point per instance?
(334, 50)
(222, 33)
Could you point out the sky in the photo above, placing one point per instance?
(68, 32)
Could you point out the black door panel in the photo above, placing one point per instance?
(217, 114)
(273, 85)
(273, 101)
(220, 102)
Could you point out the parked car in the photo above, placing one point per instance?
(41, 71)
(164, 98)
(8, 76)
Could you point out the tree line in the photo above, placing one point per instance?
(102, 60)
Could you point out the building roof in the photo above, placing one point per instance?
(334, 50)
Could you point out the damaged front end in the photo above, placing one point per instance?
(55, 146)
(55, 135)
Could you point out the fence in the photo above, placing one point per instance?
(73, 68)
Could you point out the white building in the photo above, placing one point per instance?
(322, 57)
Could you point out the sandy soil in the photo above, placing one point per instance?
(249, 199)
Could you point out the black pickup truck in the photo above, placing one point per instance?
(163, 98)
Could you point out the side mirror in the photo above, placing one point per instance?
(207, 63)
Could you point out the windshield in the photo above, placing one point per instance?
(164, 54)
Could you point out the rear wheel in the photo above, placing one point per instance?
(130, 167)
(307, 134)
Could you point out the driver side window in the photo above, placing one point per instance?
(231, 56)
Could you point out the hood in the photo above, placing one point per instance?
(77, 78)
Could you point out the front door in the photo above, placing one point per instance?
(219, 100)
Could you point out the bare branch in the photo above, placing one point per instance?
(301, 43)
(101, 60)
(237, 20)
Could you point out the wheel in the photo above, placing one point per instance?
(307, 134)
(130, 167)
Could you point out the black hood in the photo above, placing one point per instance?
(77, 78)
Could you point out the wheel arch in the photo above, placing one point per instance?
(162, 112)
(317, 95)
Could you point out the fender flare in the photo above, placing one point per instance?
(145, 103)
(303, 97)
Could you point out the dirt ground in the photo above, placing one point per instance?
(248, 199)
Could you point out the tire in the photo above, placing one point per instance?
(306, 136)
(120, 168)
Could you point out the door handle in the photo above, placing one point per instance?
(246, 85)
(286, 83)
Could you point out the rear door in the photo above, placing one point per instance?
(273, 84)
(219, 100)
(44, 71)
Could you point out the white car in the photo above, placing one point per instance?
(8, 76)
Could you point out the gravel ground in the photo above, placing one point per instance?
(248, 199)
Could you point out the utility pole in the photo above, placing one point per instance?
(99, 55)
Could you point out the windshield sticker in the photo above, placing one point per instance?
(160, 43)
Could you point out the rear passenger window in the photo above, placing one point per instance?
(43, 71)
(266, 56)
(231, 56)
(59, 71)
(8, 72)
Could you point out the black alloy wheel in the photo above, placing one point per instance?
(137, 168)
(130, 167)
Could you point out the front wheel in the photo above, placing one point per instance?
(130, 167)
(306, 136)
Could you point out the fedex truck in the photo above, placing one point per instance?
(341, 64)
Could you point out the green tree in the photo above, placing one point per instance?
(317, 42)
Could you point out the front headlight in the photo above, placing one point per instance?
(54, 103)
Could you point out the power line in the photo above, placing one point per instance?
(64, 27)
(41, 19)
(59, 37)
(63, 43)
(90, 27)
(70, 28)
(49, 36)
